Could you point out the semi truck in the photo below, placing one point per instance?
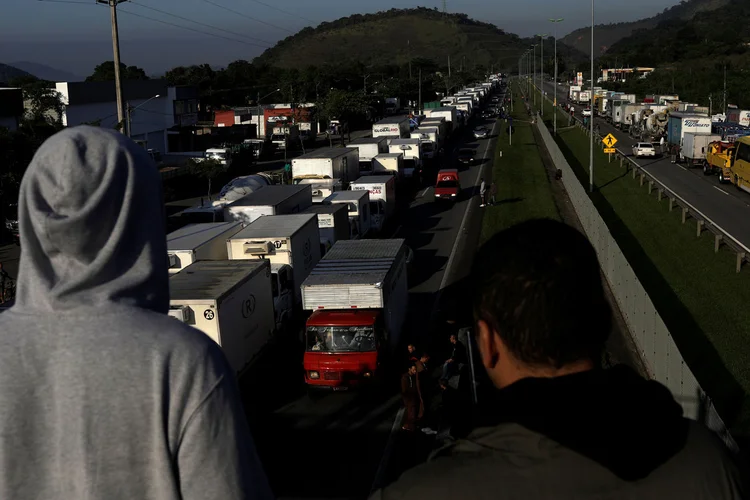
(196, 242)
(293, 240)
(271, 200)
(369, 148)
(333, 223)
(359, 297)
(358, 204)
(382, 189)
(231, 302)
(395, 126)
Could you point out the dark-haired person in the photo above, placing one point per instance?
(564, 427)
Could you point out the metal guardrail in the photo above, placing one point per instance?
(702, 220)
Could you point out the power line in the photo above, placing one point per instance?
(246, 16)
(190, 29)
(284, 11)
(198, 22)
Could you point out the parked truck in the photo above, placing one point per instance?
(681, 123)
(395, 126)
(271, 200)
(359, 297)
(286, 137)
(430, 138)
(695, 146)
(389, 163)
(412, 151)
(449, 114)
(382, 191)
(292, 240)
(358, 203)
(196, 242)
(326, 169)
(333, 223)
(231, 302)
(369, 148)
(719, 158)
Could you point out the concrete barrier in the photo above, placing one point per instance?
(656, 347)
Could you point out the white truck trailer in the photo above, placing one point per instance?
(394, 126)
(358, 203)
(293, 240)
(412, 151)
(271, 200)
(369, 148)
(231, 302)
(341, 164)
(430, 137)
(194, 242)
(695, 146)
(333, 223)
(680, 124)
(449, 114)
(382, 189)
(389, 163)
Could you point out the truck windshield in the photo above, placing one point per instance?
(447, 184)
(341, 339)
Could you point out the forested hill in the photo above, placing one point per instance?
(395, 37)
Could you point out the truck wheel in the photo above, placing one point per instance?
(721, 178)
(737, 183)
(707, 169)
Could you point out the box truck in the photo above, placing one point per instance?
(358, 204)
(293, 240)
(327, 163)
(231, 302)
(449, 113)
(412, 150)
(359, 297)
(395, 126)
(382, 189)
(430, 137)
(369, 148)
(681, 123)
(271, 200)
(389, 163)
(333, 223)
(196, 242)
(695, 146)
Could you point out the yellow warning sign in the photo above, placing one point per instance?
(610, 150)
(610, 140)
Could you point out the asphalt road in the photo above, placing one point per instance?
(342, 445)
(722, 203)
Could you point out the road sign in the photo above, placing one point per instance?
(610, 140)
(610, 150)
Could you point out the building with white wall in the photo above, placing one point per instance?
(154, 108)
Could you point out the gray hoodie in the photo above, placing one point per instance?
(102, 395)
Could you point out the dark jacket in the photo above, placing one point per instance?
(600, 434)
(458, 352)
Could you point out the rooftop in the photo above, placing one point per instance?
(275, 226)
(271, 195)
(194, 235)
(211, 279)
(326, 153)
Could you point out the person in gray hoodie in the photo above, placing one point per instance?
(102, 394)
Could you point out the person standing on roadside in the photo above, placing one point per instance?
(493, 193)
(103, 394)
(483, 193)
(412, 398)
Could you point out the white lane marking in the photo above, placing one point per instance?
(423, 192)
(385, 458)
(721, 190)
(382, 467)
(683, 168)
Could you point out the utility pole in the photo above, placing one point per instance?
(116, 50)
(534, 77)
(710, 105)
(591, 118)
(725, 92)
(445, 2)
(420, 90)
(554, 106)
(449, 66)
(541, 71)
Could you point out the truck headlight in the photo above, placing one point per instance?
(367, 374)
(453, 194)
(314, 375)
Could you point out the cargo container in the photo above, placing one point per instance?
(282, 239)
(412, 151)
(392, 163)
(430, 138)
(196, 242)
(358, 203)
(271, 200)
(327, 163)
(695, 146)
(359, 297)
(449, 113)
(681, 123)
(740, 116)
(333, 223)
(369, 147)
(395, 126)
(382, 189)
(231, 302)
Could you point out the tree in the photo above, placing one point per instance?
(105, 72)
(343, 105)
(208, 169)
(43, 102)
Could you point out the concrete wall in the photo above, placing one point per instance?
(656, 347)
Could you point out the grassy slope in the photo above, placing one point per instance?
(523, 189)
(697, 292)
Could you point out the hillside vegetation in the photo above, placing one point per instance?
(8, 73)
(607, 35)
(396, 36)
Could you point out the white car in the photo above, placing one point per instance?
(481, 133)
(644, 149)
(586, 112)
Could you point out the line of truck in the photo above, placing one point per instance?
(265, 256)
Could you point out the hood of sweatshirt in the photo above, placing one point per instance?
(625, 423)
(92, 226)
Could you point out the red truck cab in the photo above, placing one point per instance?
(344, 348)
(448, 185)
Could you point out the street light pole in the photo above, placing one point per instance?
(131, 109)
(258, 106)
(591, 119)
(554, 106)
(541, 71)
(533, 80)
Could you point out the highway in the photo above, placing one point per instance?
(723, 203)
(341, 445)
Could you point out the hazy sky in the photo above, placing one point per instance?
(74, 35)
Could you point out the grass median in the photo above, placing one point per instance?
(700, 297)
(523, 188)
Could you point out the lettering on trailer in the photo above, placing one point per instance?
(696, 123)
(208, 314)
(385, 129)
(325, 221)
(248, 306)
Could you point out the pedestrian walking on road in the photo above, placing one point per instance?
(493, 193)
(412, 399)
(483, 193)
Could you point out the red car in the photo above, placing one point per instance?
(448, 185)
